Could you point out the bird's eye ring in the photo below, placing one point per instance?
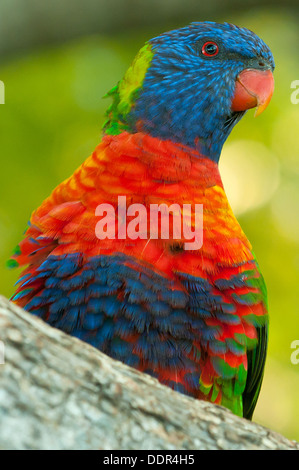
(210, 49)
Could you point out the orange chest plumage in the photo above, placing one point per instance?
(144, 171)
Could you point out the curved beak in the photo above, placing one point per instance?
(254, 88)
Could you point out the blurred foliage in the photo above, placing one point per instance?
(52, 121)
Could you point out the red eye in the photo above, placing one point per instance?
(210, 49)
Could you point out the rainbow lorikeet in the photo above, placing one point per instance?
(195, 318)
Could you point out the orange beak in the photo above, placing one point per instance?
(254, 88)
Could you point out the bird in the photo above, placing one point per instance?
(193, 315)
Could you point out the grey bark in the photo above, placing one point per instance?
(30, 23)
(57, 392)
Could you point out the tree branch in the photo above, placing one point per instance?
(57, 392)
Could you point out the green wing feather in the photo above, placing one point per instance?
(256, 364)
(256, 358)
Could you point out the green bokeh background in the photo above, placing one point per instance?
(51, 122)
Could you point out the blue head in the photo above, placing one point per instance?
(188, 84)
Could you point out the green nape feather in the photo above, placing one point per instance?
(125, 93)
